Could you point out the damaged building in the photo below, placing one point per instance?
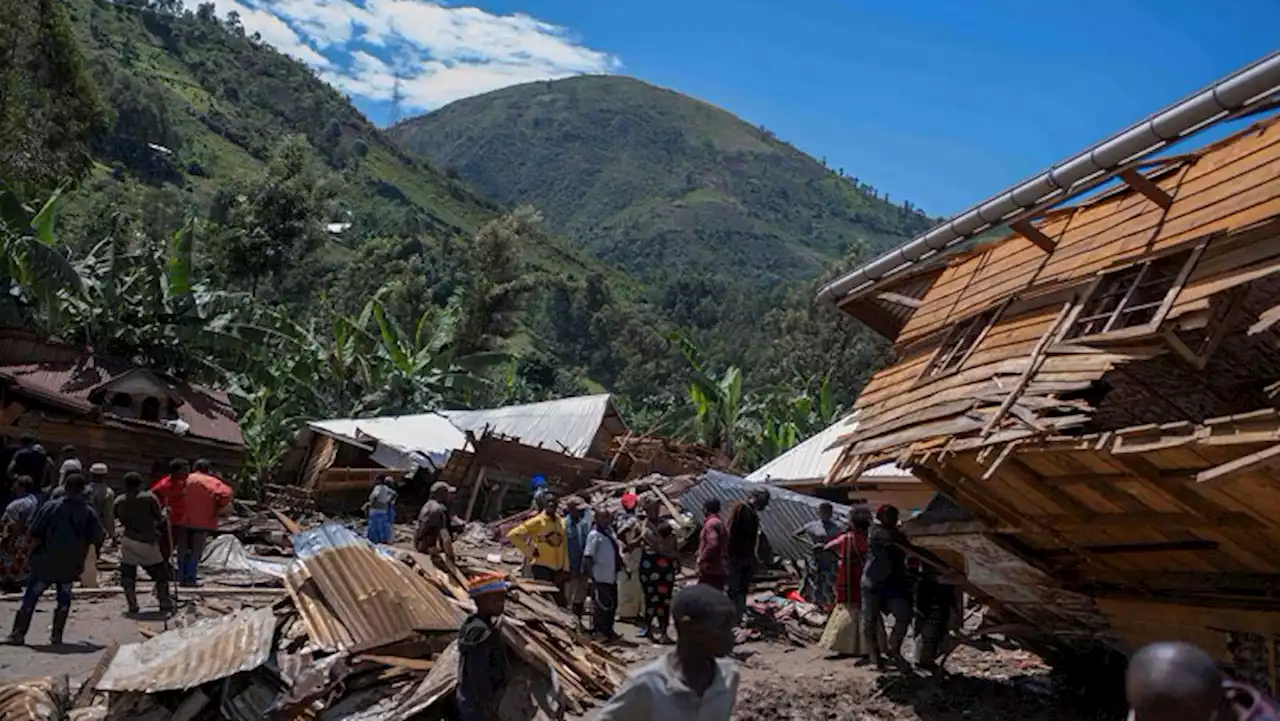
(113, 411)
(491, 455)
(1094, 380)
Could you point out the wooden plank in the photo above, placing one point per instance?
(1244, 463)
(1033, 365)
(412, 664)
(1151, 521)
(1153, 476)
(1139, 548)
(1142, 184)
(1029, 231)
(898, 298)
(1015, 468)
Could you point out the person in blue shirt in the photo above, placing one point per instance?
(577, 525)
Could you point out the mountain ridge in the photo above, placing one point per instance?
(657, 182)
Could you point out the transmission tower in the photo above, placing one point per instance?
(397, 97)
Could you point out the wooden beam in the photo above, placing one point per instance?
(1183, 351)
(1033, 367)
(1154, 521)
(1033, 234)
(1128, 548)
(11, 413)
(876, 318)
(1016, 469)
(1142, 184)
(1239, 465)
(899, 299)
(1151, 474)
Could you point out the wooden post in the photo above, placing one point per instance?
(475, 491)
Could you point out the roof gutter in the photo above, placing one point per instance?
(1239, 92)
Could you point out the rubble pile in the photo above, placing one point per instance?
(640, 456)
(359, 633)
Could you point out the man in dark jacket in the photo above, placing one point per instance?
(61, 533)
(142, 520)
(482, 654)
(885, 587)
(743, 549)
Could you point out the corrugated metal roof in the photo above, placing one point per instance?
(787, 510)
(66, 375)
(353, 598)
(413, 441)
(34, 699)
(813, 458)
(567, 425)
(187, 657)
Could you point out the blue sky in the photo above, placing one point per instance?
(942, 102)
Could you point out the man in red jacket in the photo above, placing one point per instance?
(193, 501)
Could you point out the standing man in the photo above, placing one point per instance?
(381, 499)
(482, 654)
(694, 682)
(142, 520)
(577, 526)
(744, 540)
(194, 501)
(542, 541)
(61, 533)
(600, 561)
(713, 546)
(820, 571)
(435, 525)
(884, 587)
(102, 499)
(30, 460)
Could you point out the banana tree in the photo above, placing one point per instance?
(722, 416)
(34, 272)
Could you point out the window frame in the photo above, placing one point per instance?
(1152, 326)
(929, 374)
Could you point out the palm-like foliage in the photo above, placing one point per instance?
(34, 273)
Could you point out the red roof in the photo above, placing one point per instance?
(66, 376)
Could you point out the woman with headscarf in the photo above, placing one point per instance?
(843, 635)
(15, 543)
(659, 561)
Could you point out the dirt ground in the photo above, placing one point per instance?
(95, 624)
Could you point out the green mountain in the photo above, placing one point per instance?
(659, 183)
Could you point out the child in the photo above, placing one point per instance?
(482, 655)
(693, 682)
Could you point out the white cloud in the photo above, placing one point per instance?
(443, 52)
(274, 31)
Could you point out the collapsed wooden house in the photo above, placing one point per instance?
(1098, 389)
(111, 410)
(491, 455)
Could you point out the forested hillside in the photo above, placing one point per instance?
(657, 182)
(180, 193)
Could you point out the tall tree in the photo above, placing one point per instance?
(50, 109)
(272, 223)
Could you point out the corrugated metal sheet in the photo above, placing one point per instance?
(187, 657)
(353, 598)
(567, 425)
(66, 375)
(813, 458)
(409, 701)
(35, 699)
(787, 510)
(423, 440)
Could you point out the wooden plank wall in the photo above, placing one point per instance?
(1233, 185)
(125, 449)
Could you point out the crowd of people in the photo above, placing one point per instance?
(861, 571)
(58, 521)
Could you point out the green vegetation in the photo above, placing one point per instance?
(659, 183)
(224, 216)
